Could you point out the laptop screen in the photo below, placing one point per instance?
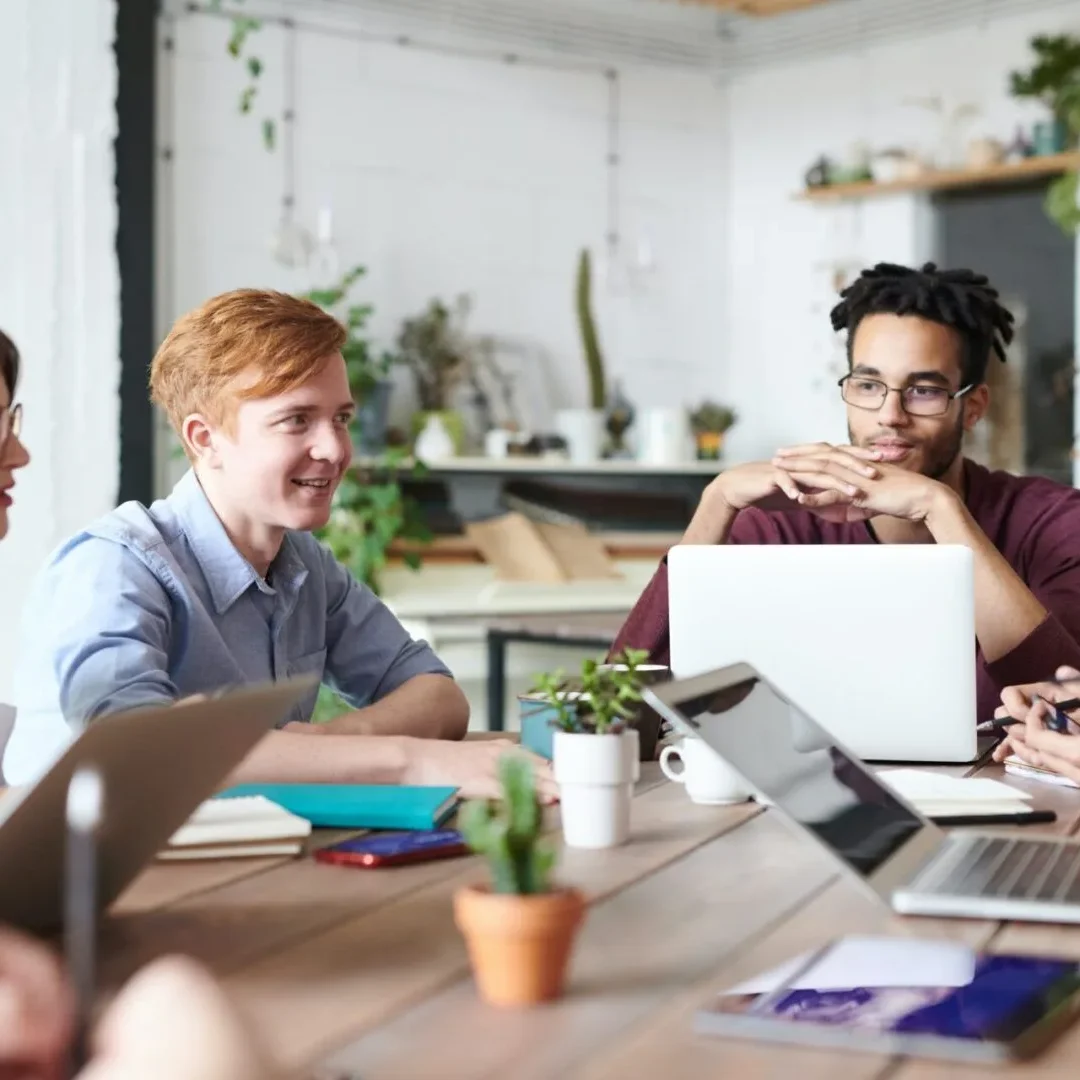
(795, 763)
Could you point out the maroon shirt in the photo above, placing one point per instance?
(1033, 522)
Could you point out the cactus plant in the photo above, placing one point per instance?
(594, 359)
(507, 832)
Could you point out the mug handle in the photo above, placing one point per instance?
(666, 755)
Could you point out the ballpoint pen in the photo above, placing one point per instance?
(1056, 721)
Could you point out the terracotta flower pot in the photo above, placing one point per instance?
(519, 946)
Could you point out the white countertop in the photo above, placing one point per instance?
(456, 591)
(563, 465)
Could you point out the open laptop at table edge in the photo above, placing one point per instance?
(800, 612)
(157, 765)
(872, 835)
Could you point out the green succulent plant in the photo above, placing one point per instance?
(606, 701)
(712, 418)
(507, 832)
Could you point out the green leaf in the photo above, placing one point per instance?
(269, 133)
(325, 298)
(247, 97)
(254, 66)
(1061, 203)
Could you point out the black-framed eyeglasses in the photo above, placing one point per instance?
(10, 423)
(918, 399)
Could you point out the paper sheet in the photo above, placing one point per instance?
(873, 962)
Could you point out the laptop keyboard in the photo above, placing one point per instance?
(1008, 870)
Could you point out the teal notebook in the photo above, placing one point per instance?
(358, 806)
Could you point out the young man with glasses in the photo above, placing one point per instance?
(919, 342)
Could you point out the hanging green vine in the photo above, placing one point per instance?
(243, 26)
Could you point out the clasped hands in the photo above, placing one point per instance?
(837, 483)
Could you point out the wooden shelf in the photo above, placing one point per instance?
(1029, 169)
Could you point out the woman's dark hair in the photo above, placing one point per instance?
(9, 363)
(960, 299)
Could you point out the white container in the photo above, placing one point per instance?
(434, 443)
(595, 774)
(583, 430)
(497, 443)
(664, 437)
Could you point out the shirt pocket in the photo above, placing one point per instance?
(313, 663)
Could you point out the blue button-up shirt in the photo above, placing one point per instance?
(149, 605)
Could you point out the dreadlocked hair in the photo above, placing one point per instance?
(960, 299)
(9, 363)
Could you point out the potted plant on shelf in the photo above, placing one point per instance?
(519, 930)
(1054, 79)
(596, 747)
(710, 422)
(583, 429)
(435, 347)
(368, 368)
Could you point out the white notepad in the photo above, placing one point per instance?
(937, 795)
(246, 827)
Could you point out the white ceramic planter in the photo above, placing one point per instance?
(595, 774)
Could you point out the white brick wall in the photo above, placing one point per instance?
(449, 174)
(59, 283)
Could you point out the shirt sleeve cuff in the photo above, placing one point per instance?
(1037, 657)
(418, 658)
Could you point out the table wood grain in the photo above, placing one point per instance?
(364, 971)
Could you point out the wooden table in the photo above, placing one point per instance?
(364, 970)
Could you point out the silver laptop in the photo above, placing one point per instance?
(878, 640)
(157, 765)
(831, 796)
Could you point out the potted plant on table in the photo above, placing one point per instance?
(596, 747)
(519, 930)
(710, 422)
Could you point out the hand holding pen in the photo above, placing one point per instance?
(1040, 731)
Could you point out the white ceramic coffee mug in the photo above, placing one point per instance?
(708, 778)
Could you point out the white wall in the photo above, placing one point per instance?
(59, 281)
(450, 174)
(782, 359)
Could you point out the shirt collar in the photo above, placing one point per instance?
(228, 574)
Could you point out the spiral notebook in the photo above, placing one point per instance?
(247, 827)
